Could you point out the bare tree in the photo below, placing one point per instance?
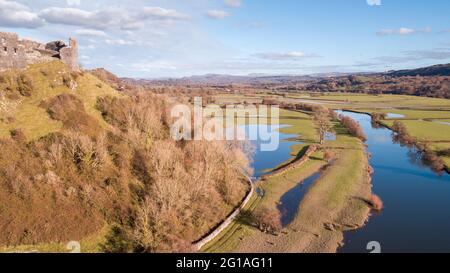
(322, 121)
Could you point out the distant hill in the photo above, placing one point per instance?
(251, 79)
(435, 70)
(268, 79)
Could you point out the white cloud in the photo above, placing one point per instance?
(403, 31)
(73, 2)
(285, 56)
(374, 2)
(119, 42)
(91, 32)
(162, 14)
(109, 17)
(72, 16)
(233, 3)
(217, 14)
(13, 14)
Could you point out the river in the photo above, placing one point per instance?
(416, 217)
(264, 161)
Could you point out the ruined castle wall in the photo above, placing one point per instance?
(35, 52)
(69, 55)
(17, 54)
(12, 52)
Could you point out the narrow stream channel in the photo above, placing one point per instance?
(416, 217)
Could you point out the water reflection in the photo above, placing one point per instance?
(417, 204)
(263, 161)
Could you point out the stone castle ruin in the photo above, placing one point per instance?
(18, 54)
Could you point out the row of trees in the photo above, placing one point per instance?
(353, 127)
(428, 156)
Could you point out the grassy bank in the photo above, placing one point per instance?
(425, 126)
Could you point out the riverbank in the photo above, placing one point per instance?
(434, 134)
(334, 204)
(413, 195)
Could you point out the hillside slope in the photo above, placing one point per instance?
(83, 162)
(23, 92)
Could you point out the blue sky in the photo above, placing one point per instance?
(175, 38)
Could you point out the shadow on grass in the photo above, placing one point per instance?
(246, 218)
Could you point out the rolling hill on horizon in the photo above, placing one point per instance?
(255, 79)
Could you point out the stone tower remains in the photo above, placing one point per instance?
(18, 54)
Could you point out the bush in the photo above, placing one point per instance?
(427, 155)
(377, 117)
(431, 159)
(353, 127)
(268, 221)
(24, 85)
(18, 135)
(328, 155)
(68, 109)
(376, 203)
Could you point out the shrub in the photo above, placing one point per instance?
(377, 117)
(67, 80)
(376, 203)
(270, 102)
(68, 109)
(402, 135)
(24, 85)
(18, 135)
(328, 155)
(353, 127)
(268, 221)
(431, 159)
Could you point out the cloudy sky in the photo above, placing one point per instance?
(174, 38)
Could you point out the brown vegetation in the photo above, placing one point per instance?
(427, 86)
(328, 155)
(158, 195)
(321, 118)
(353, 127)
(268, 221)
(378, 117)
(402, 135)
(427, 155)
(376, 203)
(68, 109)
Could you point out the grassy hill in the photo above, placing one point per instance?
(24, 91)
